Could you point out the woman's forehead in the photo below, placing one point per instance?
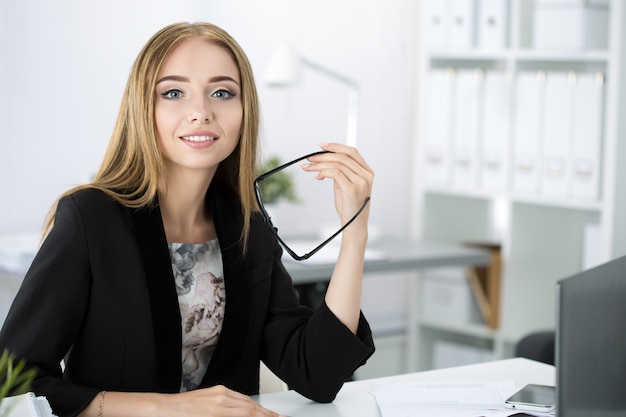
(197, 55)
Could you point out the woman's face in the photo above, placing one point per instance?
(198, 107)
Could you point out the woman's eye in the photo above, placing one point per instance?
(222, 94)
(172, 94)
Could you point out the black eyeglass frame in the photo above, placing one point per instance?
(274, 229)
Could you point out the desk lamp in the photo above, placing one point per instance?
(284, 71)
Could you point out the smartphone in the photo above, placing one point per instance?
(533, 398)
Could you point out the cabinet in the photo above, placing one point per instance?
(522, 146)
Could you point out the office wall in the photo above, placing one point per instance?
(63, 66)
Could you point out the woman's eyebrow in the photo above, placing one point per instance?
(180, 78)
(173, 78)
(223, 78)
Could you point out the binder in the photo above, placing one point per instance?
(467, 99)
(529, 92)
(438, 24)
(438, 141)
(494, 167)
(557, 133)
(492, 24)
(587, 136)
(462, 23)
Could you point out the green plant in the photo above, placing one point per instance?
(15, 378)
(277, 186)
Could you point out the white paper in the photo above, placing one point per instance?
(26, 405)
(445, 399)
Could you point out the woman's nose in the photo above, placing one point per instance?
(200, 117)
(200, 113)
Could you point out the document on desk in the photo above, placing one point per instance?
(449, 399)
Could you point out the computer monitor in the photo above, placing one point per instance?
(591, 342)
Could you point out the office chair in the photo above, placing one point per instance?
(539, 346)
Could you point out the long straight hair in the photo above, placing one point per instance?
(133, 164)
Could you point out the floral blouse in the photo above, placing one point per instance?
(199, 277)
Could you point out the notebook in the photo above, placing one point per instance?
(591, 342)
(25, 405)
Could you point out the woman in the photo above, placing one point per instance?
(159, 283)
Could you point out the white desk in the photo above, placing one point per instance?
(356, 398)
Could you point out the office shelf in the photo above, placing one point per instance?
(543, 236)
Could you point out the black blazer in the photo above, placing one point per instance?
(101, 294)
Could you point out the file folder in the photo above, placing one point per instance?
(467, 99)
(439, 136)
(492, 24)
(529, 93)
(587, 137)
(462, 23)
(438, 22)
(557, 133)
(494, 168)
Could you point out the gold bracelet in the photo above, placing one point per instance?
(101, 406)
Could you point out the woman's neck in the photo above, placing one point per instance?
(186, 218)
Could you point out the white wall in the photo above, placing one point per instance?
(63, 66)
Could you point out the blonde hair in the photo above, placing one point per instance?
(133, 163)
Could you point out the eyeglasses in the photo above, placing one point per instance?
(268, 219)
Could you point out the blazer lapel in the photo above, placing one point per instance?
(228, 223)
(163, 298)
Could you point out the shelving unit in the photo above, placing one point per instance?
(542, 236)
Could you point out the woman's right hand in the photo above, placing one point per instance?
(214, 402)
(217, 401)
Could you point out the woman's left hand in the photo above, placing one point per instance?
(352, 178)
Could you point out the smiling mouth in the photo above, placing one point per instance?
(198, 138)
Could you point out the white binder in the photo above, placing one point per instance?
(494, 167)
(492, 24)
(467, 99)
(529, 92)
(438, 22)
(438, 141)
(587, 137)
(557, 133)
(462, 23)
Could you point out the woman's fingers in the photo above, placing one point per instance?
(352, 176)
(219, 401)
(341, 160)
(344, 158)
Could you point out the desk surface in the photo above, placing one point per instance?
(397, 255)
(356, 398)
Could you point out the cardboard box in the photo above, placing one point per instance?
(446, 295)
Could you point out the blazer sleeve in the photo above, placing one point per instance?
(47, 313)
(312, 351)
